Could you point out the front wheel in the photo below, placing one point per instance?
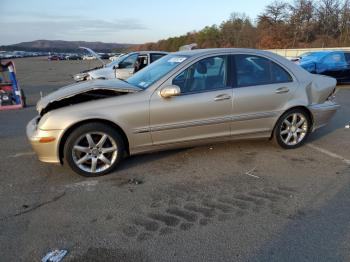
(292, 129)
(93, 149)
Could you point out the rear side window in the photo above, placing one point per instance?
(334, 59)
(253, 70)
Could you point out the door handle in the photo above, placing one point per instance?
(222, 97)
(282, 90)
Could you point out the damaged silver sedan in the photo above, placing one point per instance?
(183, 99)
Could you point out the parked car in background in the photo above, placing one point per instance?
(55, 58)
(104, 55)
(298, 58)
(115, 56)
(122, 68)
(331, 63)
(73, 57)
(183, 99)
(89, 57)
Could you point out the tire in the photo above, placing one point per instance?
(94, 149)
(293, 135)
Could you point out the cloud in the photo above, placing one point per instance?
(32, 26)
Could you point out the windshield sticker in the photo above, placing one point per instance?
(143, 84)
(177, 59)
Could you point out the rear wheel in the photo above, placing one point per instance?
(292, 129)
(94, 149)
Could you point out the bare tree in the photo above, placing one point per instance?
(345, 24)
(301, 20)
(238, 31)
(307, 23)
(277, 12)
(328, 16)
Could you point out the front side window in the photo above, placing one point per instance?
(129, 62)
(256, 70)
(205, 75)
(117, 61)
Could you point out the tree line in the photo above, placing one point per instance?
(301, 24)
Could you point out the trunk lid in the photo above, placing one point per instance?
(321, 88)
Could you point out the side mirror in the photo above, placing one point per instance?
(170, 91)
(116, 66)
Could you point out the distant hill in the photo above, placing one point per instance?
(64, 46)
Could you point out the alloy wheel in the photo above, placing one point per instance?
(294, 129)
(94, 152)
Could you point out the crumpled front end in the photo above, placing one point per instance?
(84, 92)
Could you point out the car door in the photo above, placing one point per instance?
(155, 57)
(261, 90)
(347, 70)
(202, 110)
(126, 67)
(333, 65)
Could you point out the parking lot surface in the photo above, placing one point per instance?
(235, 201)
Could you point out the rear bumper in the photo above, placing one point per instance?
(322, 113)
(47, 151)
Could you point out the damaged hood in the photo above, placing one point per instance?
(82, 87)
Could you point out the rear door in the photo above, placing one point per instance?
(261, 89)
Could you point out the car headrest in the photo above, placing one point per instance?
(201, 68)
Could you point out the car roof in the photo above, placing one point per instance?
(151, 52)
(209, 51)
(326, 52)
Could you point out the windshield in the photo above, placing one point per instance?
(117, 61)
(156, 70)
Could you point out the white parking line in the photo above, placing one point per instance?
(23, 154)
(329, 153)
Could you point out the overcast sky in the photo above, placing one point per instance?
(115, 21)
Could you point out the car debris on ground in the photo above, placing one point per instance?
(134, 181)
(55, 255)
(250, 173)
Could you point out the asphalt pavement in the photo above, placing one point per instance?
(234, 201)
